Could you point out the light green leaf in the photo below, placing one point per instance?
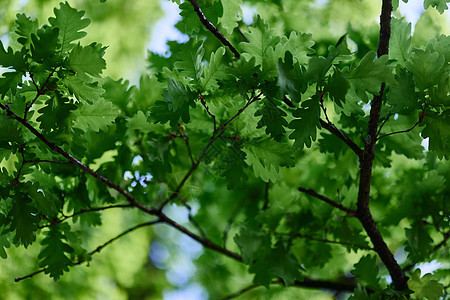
(80, 85)
(299, 45)
(437, 128)
(87, 59)
(400, 41)
(440, 5)
(426, 66)
(70, 23)
(231, 15)
(97, 116)
(366, 271)
(425, 287)
(213, 71)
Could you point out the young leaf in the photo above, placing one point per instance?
(80, 85)
(53, 253)
(440, 5)
(70, 23)
(190, 60)
(306, 123)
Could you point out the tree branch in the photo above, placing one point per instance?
(213, 29)
(313, 193)
(334, 130)
(366, 162)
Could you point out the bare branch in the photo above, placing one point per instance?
(202, 100)
(241, 292)
(313, 193)
(213, 29)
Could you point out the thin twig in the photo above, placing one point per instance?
(241, 292)
(313, 193)
(202, 100)
(213, 29)
(39, 91)
(96, 250)
(36, 161)
(402, 131)
(186, 141)
(382, 124)
(334, 130)
(83, 211)
(308, 237)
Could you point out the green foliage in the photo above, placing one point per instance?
(263, 159)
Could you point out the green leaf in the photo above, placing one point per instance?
(139, 123)
(53, 254)
(11, 59)
(440, 5)
(419, 243)
(266, 157)
(87, 59)
(260, 39)
(252, 243)
(70, 23)
(97, 116)
(437, 128)
(231, 164)
(425, 287)
(299, 45)
(231, 15)
(403, 96)
(426, 66)
(80, 85)
(338, 86)
(273, 118)
(369, 75)
(318, 67)
(366, 271)
(290, 78)
(306, 123)
(213, 71)
(280, 262)
(44, 45)
(189, 60)
(55, 114)
(400, 41)
(24, 220)
(25, 27)
(179, 97)
(4, 243)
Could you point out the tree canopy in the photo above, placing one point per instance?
(303, 153)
